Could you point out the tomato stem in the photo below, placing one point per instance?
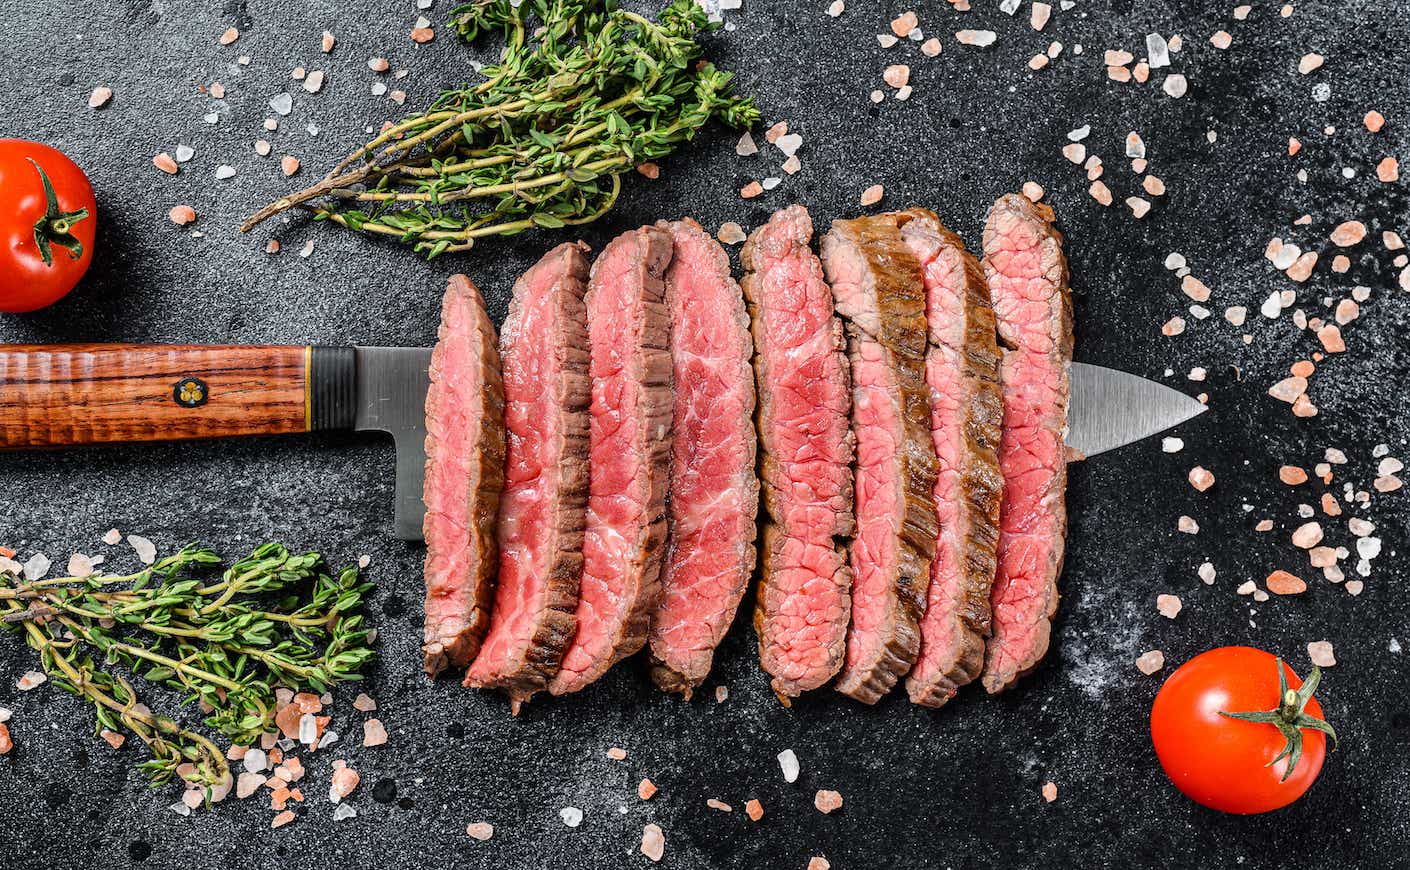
(56, 227)
(1290, 717)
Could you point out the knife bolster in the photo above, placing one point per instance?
(331, 387)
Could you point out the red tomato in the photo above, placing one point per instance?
(1264, 757)
(47, 221)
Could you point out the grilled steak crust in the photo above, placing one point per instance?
(879, 289)
(464, 476)
(966, 409)
(714, 491)
(1027, 275)
(805, 468)
(544, 345)
(629, 451)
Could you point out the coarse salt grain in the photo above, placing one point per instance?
(31, 680)
(978, 38)
(731, 233)
(1282, 583)
(1348, 233)
(181, 215)
(904, 23)
(827, 800)
(374, 733)
(872, 195)
(1139, 207)
(1187, 525)
(1310, 62)
(788, 762)
(646, 789)
(571, 816)
(653, 842)
(481, 831)
(229, 36)
(1168, 606)
(1175, 85)
(1172, 445)
(754, 810)
(1307, 535)
(1039, 15)
(1150, 662)
(1201, 478)
(1321, 653)
(146, 551)
(99, 98)
(1050, 791)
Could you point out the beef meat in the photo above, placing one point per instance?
(714, 492)
(629, 451)
(464, 476)
(544, 509)
(1027, 275)
(879, 289)
(966, 409)
(804, 399)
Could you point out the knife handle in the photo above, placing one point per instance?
(82, 394)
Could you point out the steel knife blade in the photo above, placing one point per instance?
(1111, 408)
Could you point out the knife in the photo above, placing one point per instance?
(93, 394)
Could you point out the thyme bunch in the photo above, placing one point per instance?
(584, 92)
(272, 619)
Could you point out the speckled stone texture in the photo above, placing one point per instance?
(954, 788)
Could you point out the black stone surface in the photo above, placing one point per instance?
(955, 788)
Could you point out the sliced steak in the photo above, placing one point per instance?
(966, 409)
(806, 469)
(879, 290)
(629, 451)
(1027, 275)
(544, 509)
(464, 476)
(714, 494)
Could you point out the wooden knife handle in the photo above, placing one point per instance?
(79, 394)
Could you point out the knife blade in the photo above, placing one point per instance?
(391, 385)
(1111, 408)
(81, 395)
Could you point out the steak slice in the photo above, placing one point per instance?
(629, 455)
(966, 409)
(1027, 275)
(879, 290)
(464, 476)
(544, 509)
(714, 494)
(806, 469)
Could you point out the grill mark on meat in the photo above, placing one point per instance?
(966, 411)
(629, 450)
(464, 476)
(879, 289)
(714, 492)
(1027, 275)
(803, 605)
(544, 345)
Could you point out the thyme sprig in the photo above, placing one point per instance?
(584, 92)
(272, 619)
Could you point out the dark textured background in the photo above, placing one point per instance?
(954, 788)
